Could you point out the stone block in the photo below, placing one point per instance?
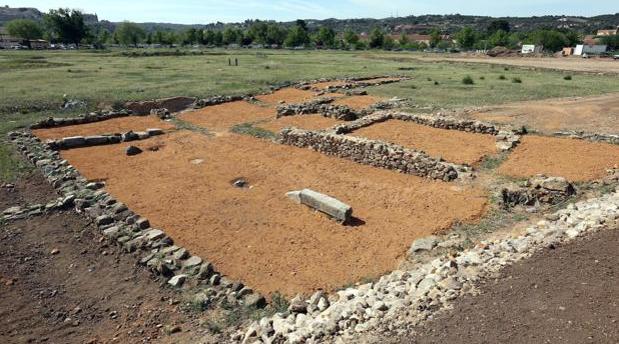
(323, 203)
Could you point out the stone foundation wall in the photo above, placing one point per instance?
(506, 138)
(607, 138)
(129, 230)
(88, 118)
(372, 152)
(100, 140)
(537, 191)
(324, 107)
(174, 104)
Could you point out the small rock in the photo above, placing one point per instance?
(55, 251)
(132, 150)
(424, 244)
(255, 300)
(177, 281)
(298, 305)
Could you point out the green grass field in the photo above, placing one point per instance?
(32, 84)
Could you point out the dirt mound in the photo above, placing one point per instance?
(575, 160)
(256, 234)
(110, 126)
(452, 145)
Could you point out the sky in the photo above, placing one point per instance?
(208, 11)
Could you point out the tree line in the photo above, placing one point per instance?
(67, 26)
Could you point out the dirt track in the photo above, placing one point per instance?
(452, 145)
(567, 295)
(88, 292)
(259, 236)
(607, 66)
(599, 114)
(576, 160)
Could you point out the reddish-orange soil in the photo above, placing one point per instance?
(308, 122)
(224, 116)
(452, 145)
(259, 236)
(327, 84)
(289, 95)
(357, 102)
(576, 160)
(110, 126)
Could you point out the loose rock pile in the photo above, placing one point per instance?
(174, 104)
(131, 231)
(538, 190)
(324, 107)
(403, 299)
(23, 212)
(372, 152)
(216, 100)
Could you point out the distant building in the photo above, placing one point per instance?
(568, 51)
(531, 49)
(590, 49)
(611, 32)
(590, 40)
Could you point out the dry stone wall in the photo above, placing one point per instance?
(127, 229)
(52, 122)
(372, 152)
(607, 138)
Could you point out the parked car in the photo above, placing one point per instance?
(616, 57)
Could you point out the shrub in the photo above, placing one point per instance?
(436, 82)
(516, 80)
(482, 78)
(467, 80)
(567, 77)
(429, 79)
(502, 77)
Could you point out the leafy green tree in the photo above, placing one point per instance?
(466, 38)
(232, 35)
(325, 37)
(499, 39)
(130, 33)
(66, 25)
(552, 40)
(435, 38)
(25, 29)
(276, 34)
(191, 36)
(350, 37)
(377, 38)
(498, 25)
(403, 40)
(297, 36)
(388, 43)
(611, 41)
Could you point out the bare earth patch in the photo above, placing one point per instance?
(598, 114)
(327, 84)
(576, 160)
(358, 102)
(224, 116)
(289, 95)
(110, 126)
(259, 236)
(308, 122)
(452, 145)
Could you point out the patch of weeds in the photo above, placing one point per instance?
(517, 80)
(11, 166)
(506, 68)
(492, 162)
(436, 83)
(520, 217)
(214, 327)
(567, 77)
(429, 79)
(249, 129)
(482, 78)
(279, 302)
(467, 80)
(495, 219)
(502, 77)
(413, 87)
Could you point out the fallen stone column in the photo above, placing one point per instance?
(338, 210)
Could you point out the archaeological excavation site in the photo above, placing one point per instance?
(320, 195)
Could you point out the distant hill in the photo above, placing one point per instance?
(8, 13)
(412, 24)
